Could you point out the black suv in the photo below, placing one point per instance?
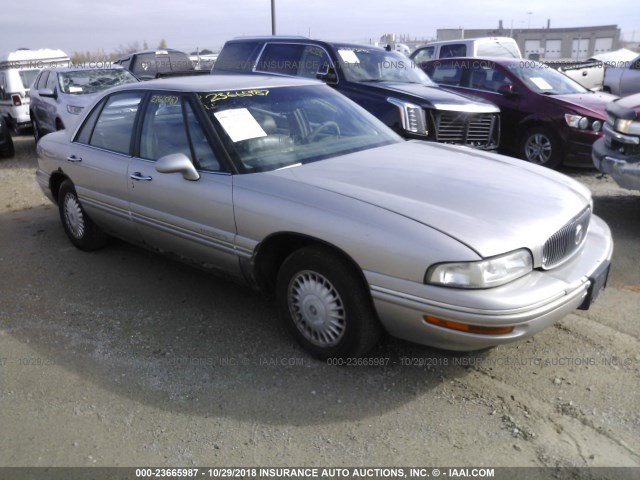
(385, 83)
(150, 64)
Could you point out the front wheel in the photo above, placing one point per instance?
(37, 132)
(78, 226)
(326, 304)
(541, 146)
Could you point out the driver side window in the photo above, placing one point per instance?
(171, 126)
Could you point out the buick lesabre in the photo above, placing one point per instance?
(292, 188)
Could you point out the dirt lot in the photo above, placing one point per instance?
(121, 357)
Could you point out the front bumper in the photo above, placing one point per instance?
(624, 169)
(578, 144)
(529, 304)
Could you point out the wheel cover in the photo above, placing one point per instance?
(538, 149)
(316, 309)
(74, 216)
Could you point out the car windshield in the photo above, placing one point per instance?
(545, 80)
(376, 65)
(274, 128)
(82, 82)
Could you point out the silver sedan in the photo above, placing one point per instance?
(287, 185)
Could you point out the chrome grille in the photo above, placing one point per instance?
(475, 130)
(566, 241)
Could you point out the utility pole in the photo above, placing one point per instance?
(273, 17)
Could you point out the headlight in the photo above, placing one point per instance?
(488, 273)
(582, 123)
(627, 126)
(73, 109)
(412, 116)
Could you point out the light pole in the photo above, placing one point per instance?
(273, 17)
(529, 27)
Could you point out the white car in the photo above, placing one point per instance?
(17, 71)
(59, 95)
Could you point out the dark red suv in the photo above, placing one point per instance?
(547, 118)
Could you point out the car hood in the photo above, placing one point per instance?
(491, 203)
(435, 97)
(79, 100)
(596, 102)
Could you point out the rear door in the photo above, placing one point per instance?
(98, 161)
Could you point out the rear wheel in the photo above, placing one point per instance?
(541, 146)
(326, 304)
(78, 226)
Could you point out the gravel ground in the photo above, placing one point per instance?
(122, 357)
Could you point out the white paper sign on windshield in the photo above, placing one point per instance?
(348, 56)
(240, 124)
(541, 83)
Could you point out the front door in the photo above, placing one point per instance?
(192, 219)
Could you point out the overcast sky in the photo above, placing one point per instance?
(81, 25)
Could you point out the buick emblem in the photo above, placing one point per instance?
(578, 234)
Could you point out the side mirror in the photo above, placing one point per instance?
(47, 92)
(177, 163)
(507, 90)
(327, 74)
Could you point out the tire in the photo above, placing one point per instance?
(78, 226)
(8, 150)
(37, 132)
(541, 146)
(315, 286)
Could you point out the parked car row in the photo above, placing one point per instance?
(492, 102)
(383, 82)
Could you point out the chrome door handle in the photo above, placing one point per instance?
(138, 176)
(73, 158)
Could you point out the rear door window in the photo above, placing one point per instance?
(236, 57)
(453, 50)
(114, 126)
(282, 58)
(424, 54)
(447, 73)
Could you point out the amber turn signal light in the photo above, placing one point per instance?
(463, 327)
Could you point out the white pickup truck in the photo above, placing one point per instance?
(589, 74)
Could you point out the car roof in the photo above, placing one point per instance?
(208, 83)
(488, 60)
(293, 38)
(78, 68)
